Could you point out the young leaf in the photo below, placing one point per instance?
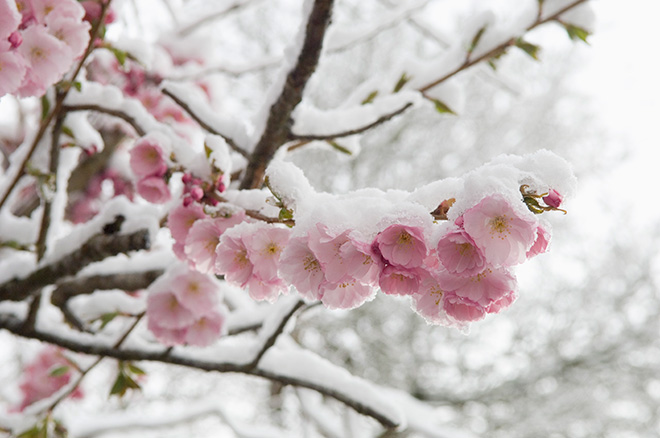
(136, 370)
(401, 82)
(475, 40)
(119, 54)
(339, 147)
(442, 108)
(67, 131)
(370, 98)
(106, 318)
(529, 48)
(576, 32)
(119, 387)
(59, 371)
(45, 106)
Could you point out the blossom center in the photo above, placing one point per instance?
(499, 224)
(404, 239)
(311, 264)
(464, 248)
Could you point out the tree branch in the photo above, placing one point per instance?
(16, 326)
(115, 113)
(469, 62)
(276, 132)
(270, 341)
(232, 144)
(97, 248)
(384, 118)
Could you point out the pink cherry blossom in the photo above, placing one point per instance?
(300, 268)
(459, 255)
(327, 249)
(12, 71)
(10, 18)
(346, 295)
(503, 234)
(38, 382)
(205, 330)
(196, 292)
(429, 301)
(542, 241)
(266, 244)
(359, 261)
(147, 158)
(167, 336)
(164, 307)
(74, 33)
(154, 189)
(484, 288)
(232, 259)
(182, 218)
(397, 280)
(203, 238)
(45, 57)
(402, 245)
(269, 290)
(553, 199)
(48, 9)
(502, 303)
(462, 309)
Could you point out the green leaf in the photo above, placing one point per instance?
(59, 371)
(120, 386)
(34, 432)
(66, 130)
(119, 54)
(370, 98)
(285, 214)
(475, 40)
(339, 147)
(136, 370)
(401, 82)
(106, 318)
(45, 106)
(207, 151)
(77, 85)
(442, 108)
(576, 32)
(529, 48)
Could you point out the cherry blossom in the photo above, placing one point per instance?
(459, 255)
(38, 381)
(154, 189)
(402, 245)
(196, 292)
(397, 280)
(542, 241)
(147, 158)
(203, 238)
(462, 309)
(164, 306)
(502, 233)
(346, 295)
(300, 267)
(205, 330)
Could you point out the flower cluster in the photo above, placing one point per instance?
(39, 40)
(454, 272)
(184, 308)
(44, 376)
(148, 164)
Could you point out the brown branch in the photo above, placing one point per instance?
(115, 113)
(16, 326)
(86, 285)
(232, 144)
(190, 28)
(59, 101)
(270, 341)
(97, 248)
(503, 46)
(255, 214)
(52, 171)
(276, 131)
(381, 120)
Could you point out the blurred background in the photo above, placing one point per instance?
(578, 355)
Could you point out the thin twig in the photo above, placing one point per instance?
(270, 341)
(189, 28)
(52, 173)
(348, 133)
(115, 113)
(498, 49)
(232, 144)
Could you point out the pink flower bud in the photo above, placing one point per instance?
(554, 198)
(15, 39)
(196, 193)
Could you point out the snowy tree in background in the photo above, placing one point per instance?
(151, 212)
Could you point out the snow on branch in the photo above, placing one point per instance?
(276, 129)
(95, 249)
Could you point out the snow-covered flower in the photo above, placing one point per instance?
(266, 244)
(502, 233)
(232, 258)
(397, 280)
(346, 295)
(203, 238)
(300, 267)
(484, 288)
(542, 241)
(458, 253)
(402, 245)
